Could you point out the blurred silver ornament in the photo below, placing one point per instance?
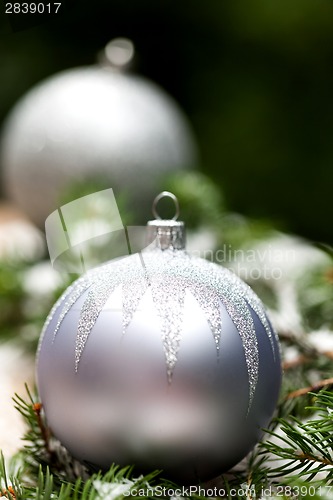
(161, 360)
(93, 122)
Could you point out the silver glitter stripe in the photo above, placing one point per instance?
(211, 279)
(210, 304)
(91, 309)
(257, 307)
(230, 296)
(242, 319)
(133, 291)
(182, 268)
(105, 280)
(170, 307)
(49, 319)
(74, 293)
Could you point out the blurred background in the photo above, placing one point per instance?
(254, 79)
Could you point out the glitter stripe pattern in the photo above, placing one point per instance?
(169, 274)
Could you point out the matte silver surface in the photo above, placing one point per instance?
(164, 361)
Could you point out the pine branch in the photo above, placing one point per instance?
(305, 448)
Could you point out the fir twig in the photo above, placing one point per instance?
(315, 387)
(304, 448)
(37, 408)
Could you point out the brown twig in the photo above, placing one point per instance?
(315, 387)
(311, 458)
(37, 408)
(5, 492)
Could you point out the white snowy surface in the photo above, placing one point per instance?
(281, 262)
(280, 259)
(41, 279)
(20, 240)
(16, 369)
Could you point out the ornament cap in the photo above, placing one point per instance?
(166, 233)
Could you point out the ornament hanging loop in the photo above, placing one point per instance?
(165, 194)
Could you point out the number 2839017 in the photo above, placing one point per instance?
(32, 8)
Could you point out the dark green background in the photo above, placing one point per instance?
(255, 78)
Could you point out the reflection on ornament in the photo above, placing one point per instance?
(161, 360)
(93, 122)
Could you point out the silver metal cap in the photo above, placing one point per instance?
(166, 233)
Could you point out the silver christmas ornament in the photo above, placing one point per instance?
(93, 122)
(161, 360)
